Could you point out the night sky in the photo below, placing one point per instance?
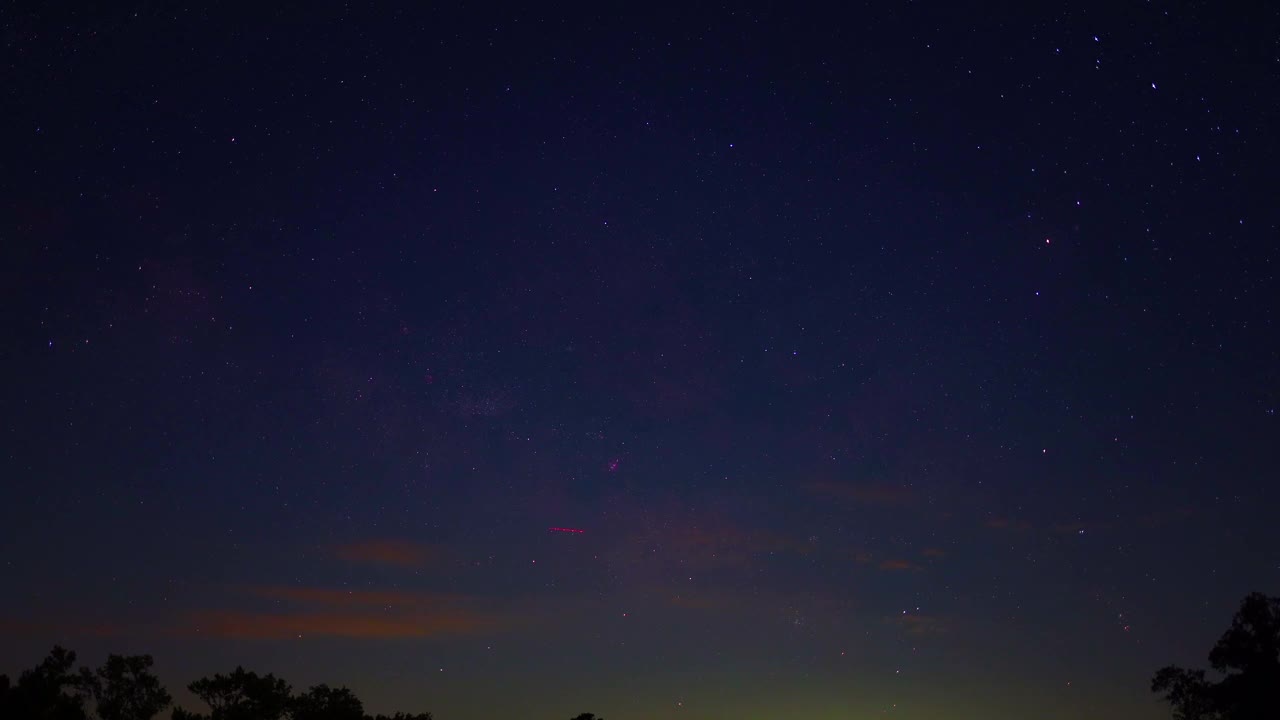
(911, 361)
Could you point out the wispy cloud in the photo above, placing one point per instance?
(241, 625)
(879, 494)
(1003, 523)
(711, 542)
(1168, 516)
(703, 599)
(334, 612)
(917, 624)
(898, 564)
(397, 553)
(47, 627)
(342, 597)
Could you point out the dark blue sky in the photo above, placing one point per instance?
(916, 360)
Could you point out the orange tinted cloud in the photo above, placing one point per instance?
(400, 553)
(933, 552)
(898, 565)
(882, 494)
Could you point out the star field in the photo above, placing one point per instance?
(906, 361)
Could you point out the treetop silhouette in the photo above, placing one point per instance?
(125, 688)
(1247, 656)
(50, 690)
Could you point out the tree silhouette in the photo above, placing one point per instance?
(125, 689)
(8, 698)
(1247, 655)
(325, 703)
(587, 716)
(49, 691)
(241, 695)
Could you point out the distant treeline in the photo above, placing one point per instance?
(125, 688)
(1244, 685)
